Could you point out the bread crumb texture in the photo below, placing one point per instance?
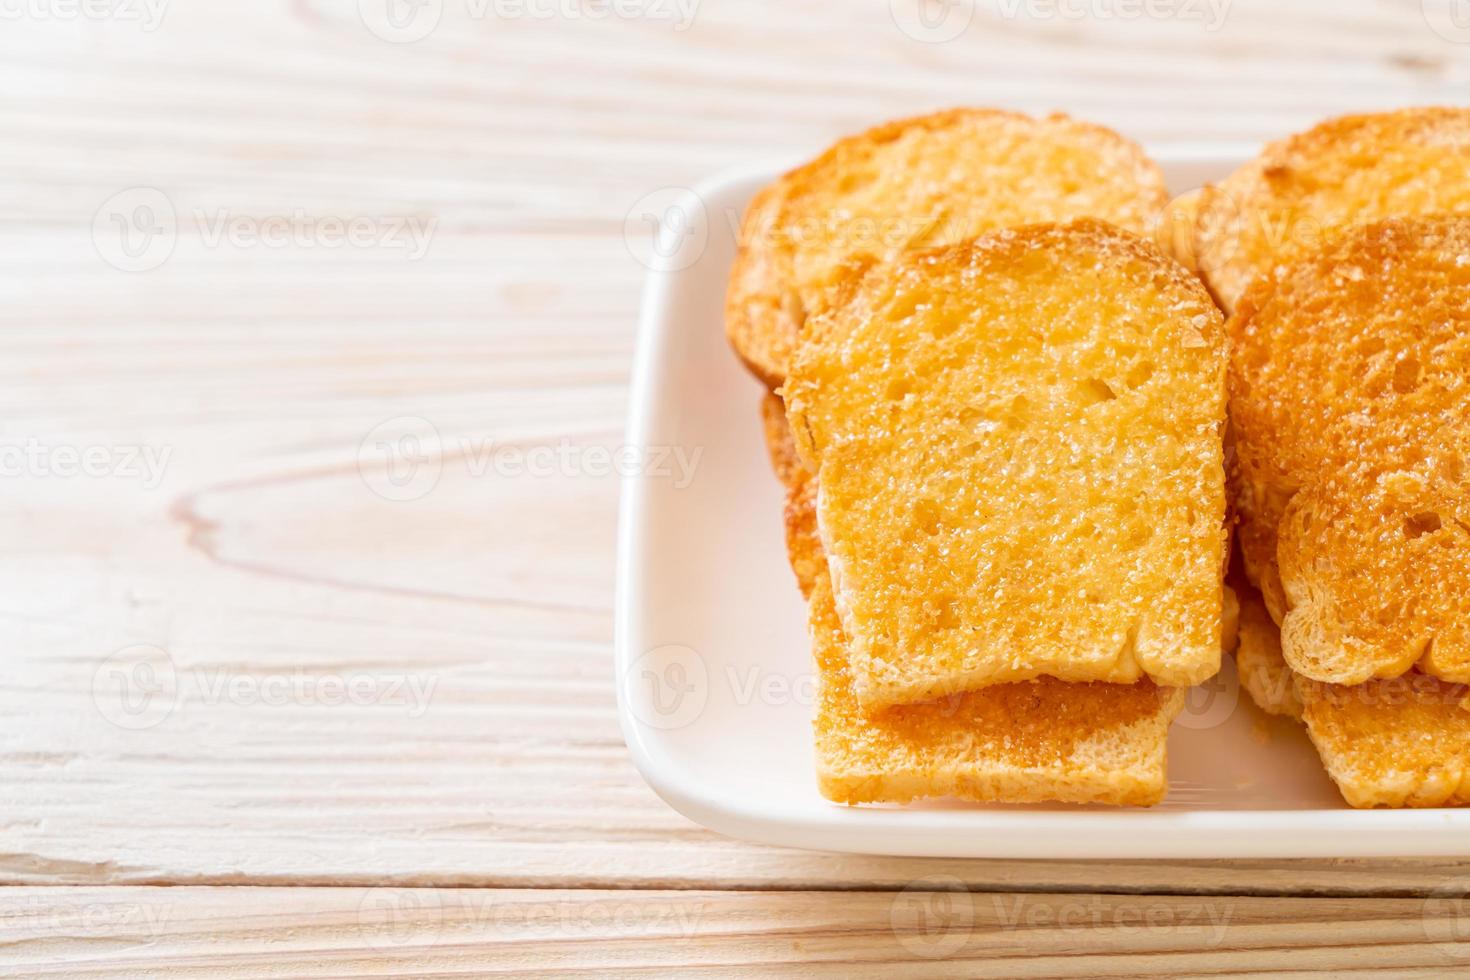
(1350, 407)
(1025, 742)
(1017, 442)
(1303, 191)
(919, 183)
(1258, 662)
(1399, 742)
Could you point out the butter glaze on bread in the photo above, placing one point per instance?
(1031, 741)
(1350, 406)
(1017, 444)
(1305, 190)
(918, 183)
(1400, 742)
(1258, 662)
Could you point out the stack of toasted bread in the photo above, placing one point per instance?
(999, 414)
(1344, 256)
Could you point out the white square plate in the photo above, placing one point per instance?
(713, 670)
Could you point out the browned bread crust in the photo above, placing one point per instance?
(1399, 742)
(1018, 445)
(1349, 382)
(1031, 741)
(1304, 190)
(917, 183)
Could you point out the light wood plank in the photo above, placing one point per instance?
(936, 931)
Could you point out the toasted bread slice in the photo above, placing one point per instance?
(1031, 741)
(1174, 232)
(1229, 621)
(1301, 191)
(803, 543)
(1350, 381)
(918, 183)
(1017, 449)
(1024, 742)
(1258, 661)
(1400, 742)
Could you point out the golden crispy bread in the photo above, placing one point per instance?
(1229, 620)
(1303, 190)
(1399, 742)
(1350, 405)
(917, 183)
(1025, 742)
(803, 544)
(1258, 661)
(1017, 444)
(1174, 233)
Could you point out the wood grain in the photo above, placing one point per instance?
(939, 931)
(368, 690)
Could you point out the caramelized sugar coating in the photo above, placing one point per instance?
(1399, 742)
(1031, 741)
(918, 183)
(803, 543)
(1303, 191)
(1017, 442)
(1258, 662)
(1350, 404)
(1025, 742)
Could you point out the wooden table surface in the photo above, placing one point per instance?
(364, 726)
